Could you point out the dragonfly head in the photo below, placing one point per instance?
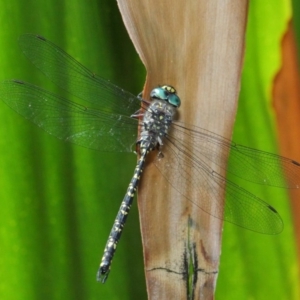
(167, 93)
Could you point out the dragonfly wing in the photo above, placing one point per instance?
(250, 164)
(263, 167)
(205, 188)
(72, 76)
(68, 120)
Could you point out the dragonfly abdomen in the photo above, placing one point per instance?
(156, 122)
(120, 220)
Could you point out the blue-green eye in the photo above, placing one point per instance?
(174, 100)
(159, 93)
(167, 93)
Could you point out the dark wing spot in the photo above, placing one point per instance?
(295, 163)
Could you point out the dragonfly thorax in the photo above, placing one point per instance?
(156, 123)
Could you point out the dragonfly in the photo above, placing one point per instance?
(117, 121)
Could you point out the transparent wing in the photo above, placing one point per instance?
(70, 75)
(69, 121)
(247, 163)
(199, 183)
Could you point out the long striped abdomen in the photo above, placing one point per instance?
(120, 220)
